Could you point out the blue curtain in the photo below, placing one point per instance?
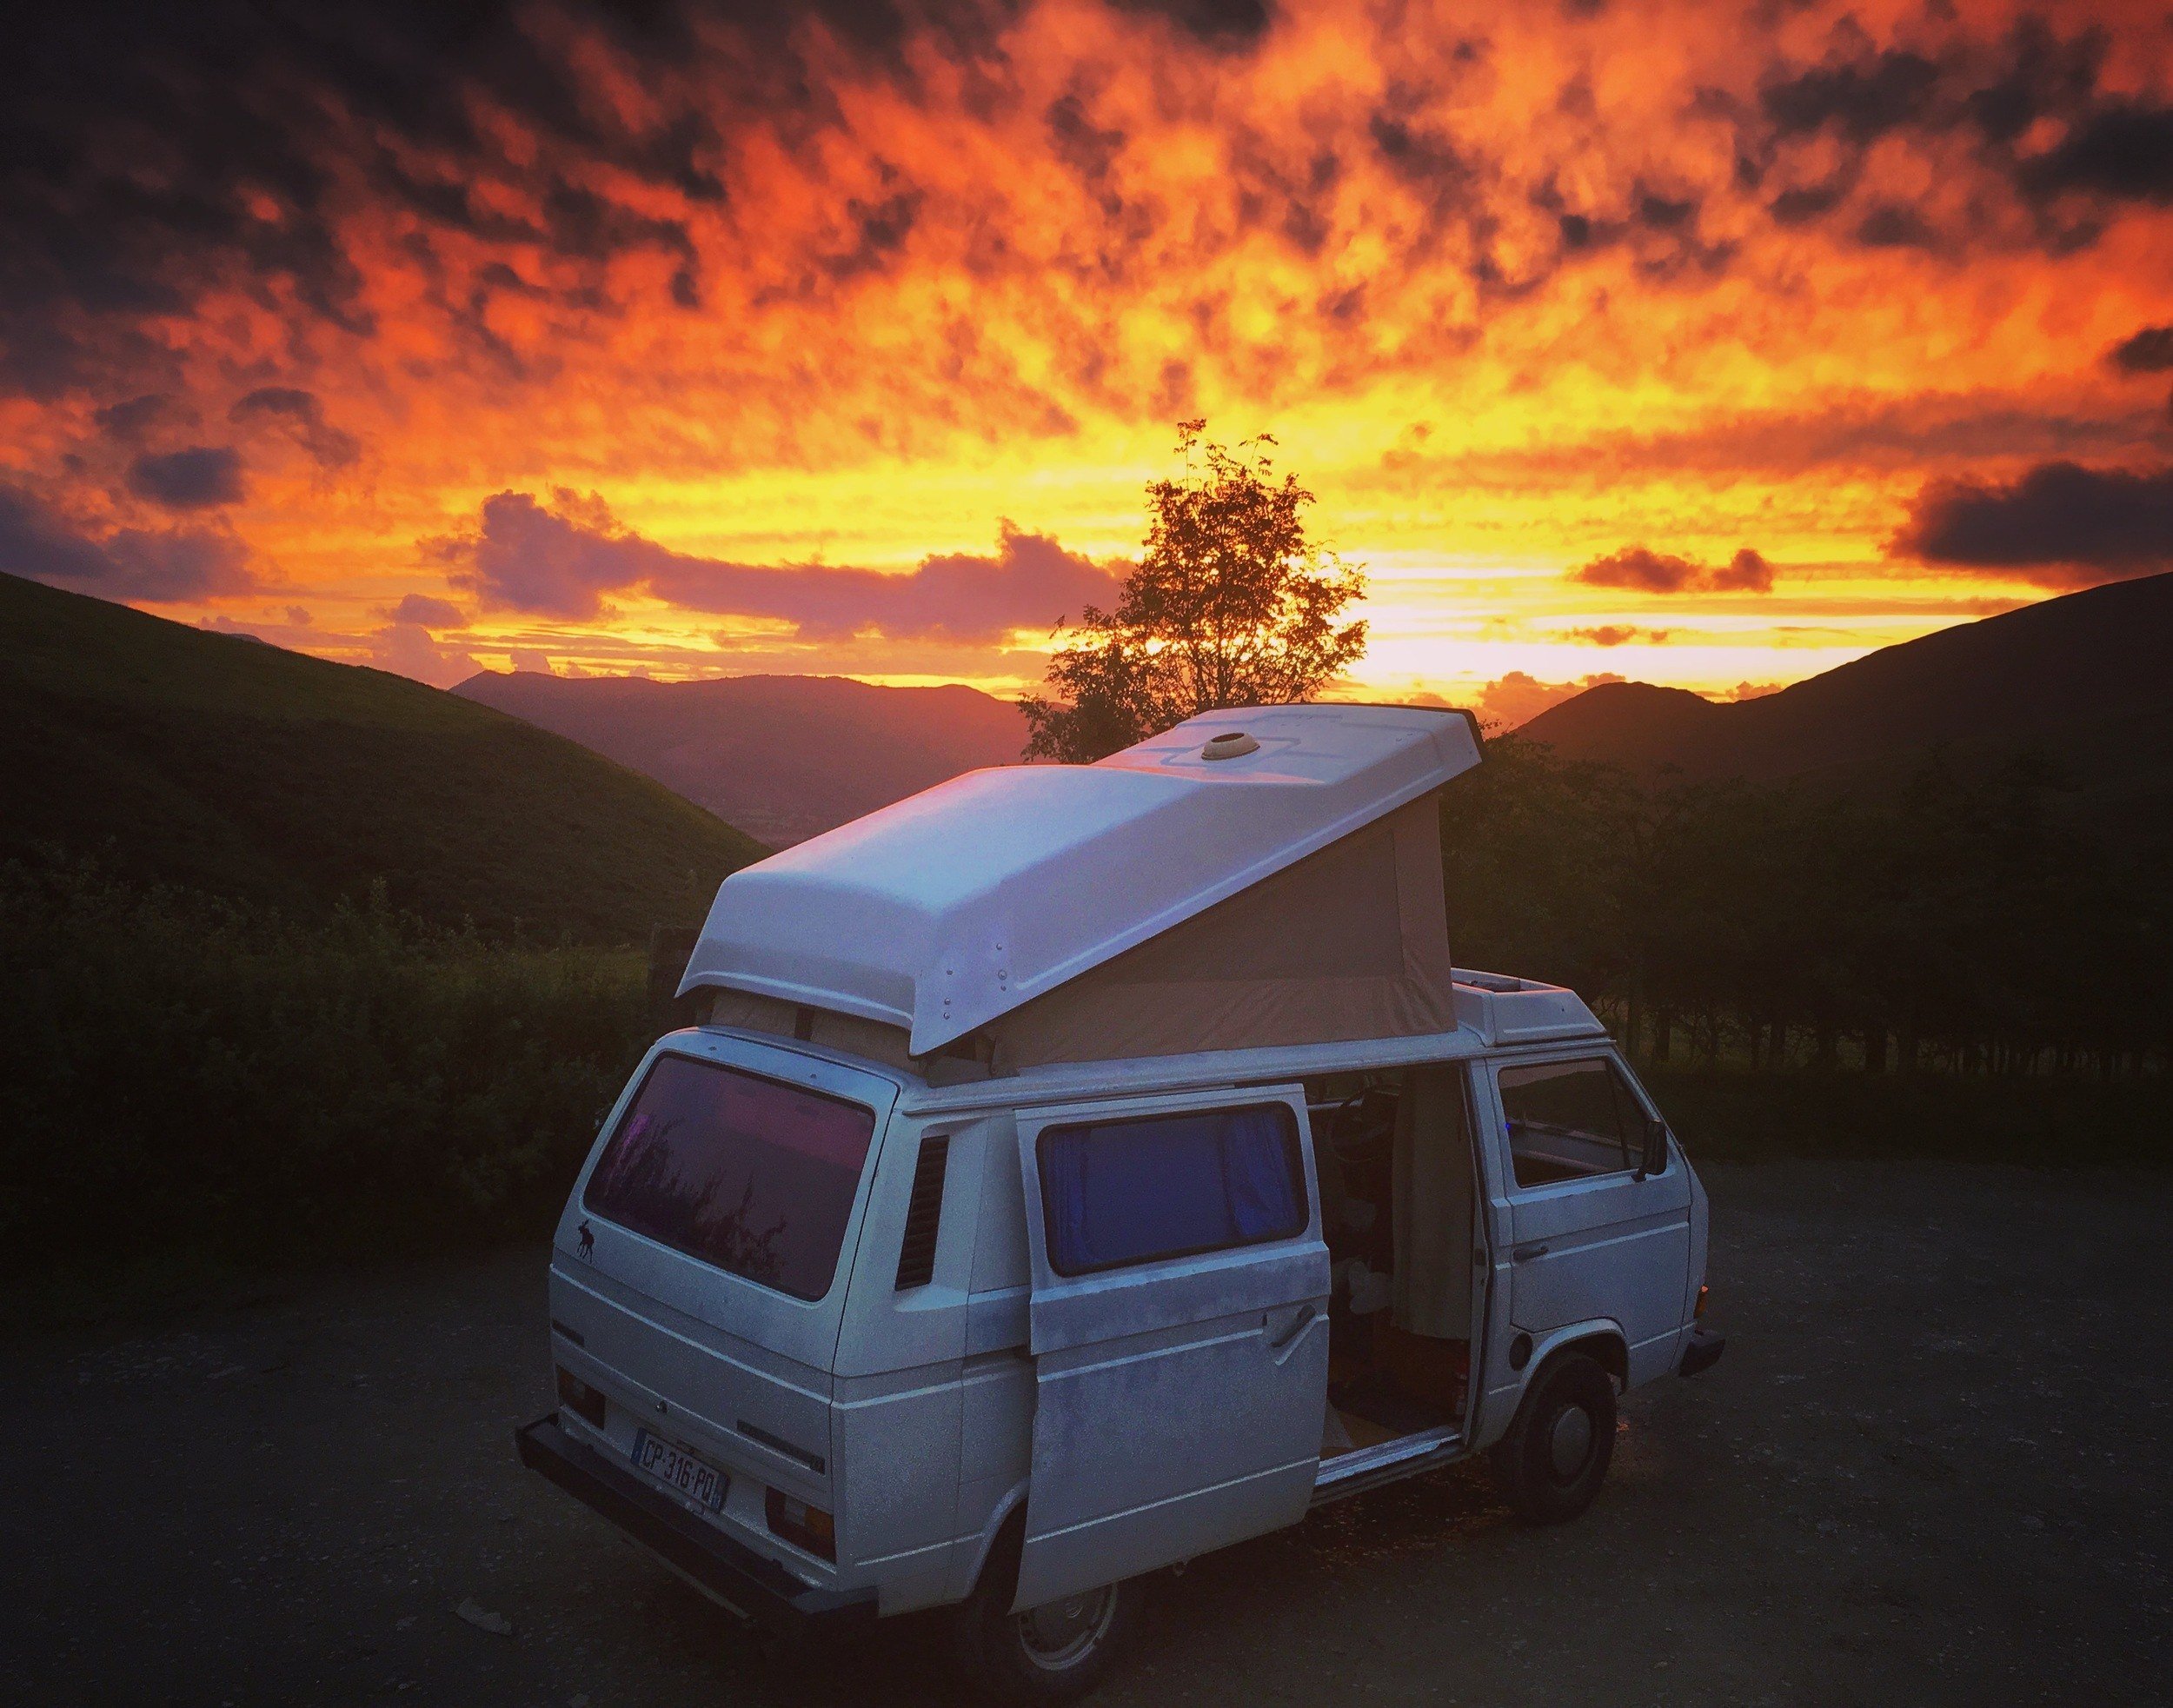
(1129, 1191)
(1265, 1202)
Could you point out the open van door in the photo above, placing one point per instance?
(1180, 1330)
(1599, 1204)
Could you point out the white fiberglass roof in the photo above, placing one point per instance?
(958, 904)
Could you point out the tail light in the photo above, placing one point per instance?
(1698, 1310)
(805, 1527)
(577, 1396)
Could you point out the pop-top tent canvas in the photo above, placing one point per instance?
(1263, 876)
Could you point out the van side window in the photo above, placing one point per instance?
(1568, 1120)
(1123, 1192)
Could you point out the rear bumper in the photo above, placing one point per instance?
(760, 1589)
(1703, 1352)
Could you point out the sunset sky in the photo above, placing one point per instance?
(1702, 346)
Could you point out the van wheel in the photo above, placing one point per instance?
(1053, 1653)
(1555, 1454)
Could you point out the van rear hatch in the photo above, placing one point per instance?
(699, 1275)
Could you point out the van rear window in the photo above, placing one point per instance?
(750, 1174)
(1132, 1191)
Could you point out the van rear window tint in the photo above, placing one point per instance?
(1123, 1192)
(750, 1174)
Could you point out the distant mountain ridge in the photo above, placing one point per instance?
(783, 757)
(2087, 675)
(226, 765)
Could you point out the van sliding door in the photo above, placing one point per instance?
(1180, 1330)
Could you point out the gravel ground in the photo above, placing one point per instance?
(1930, 1469)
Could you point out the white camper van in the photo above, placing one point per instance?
(1083, 1167)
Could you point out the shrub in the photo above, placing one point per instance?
(178, 1070)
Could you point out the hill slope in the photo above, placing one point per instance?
(227, 765)
(2085, 675)
(786, 756)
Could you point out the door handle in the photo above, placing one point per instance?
(1525, 1253)
(1298, 1325)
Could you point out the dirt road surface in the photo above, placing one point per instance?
(1933, 1468)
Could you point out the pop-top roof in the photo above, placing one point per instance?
(956, 905)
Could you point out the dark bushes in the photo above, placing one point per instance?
(1960, 921)
(180, 1071)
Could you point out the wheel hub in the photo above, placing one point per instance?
(1058, 1634)
(1570, 1442)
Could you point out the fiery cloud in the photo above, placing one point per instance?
(330, 308)
(2066, 525)
(1649, 571)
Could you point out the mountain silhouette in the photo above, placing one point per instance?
(783, 757)
(2087, 677)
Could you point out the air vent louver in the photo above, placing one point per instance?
(916, 1253)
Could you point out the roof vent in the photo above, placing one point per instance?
(1228, 745)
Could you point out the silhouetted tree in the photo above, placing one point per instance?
(1231, 605)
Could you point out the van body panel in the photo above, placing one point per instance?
(898, 1457)
(999, 1322)
(899, 1406)
(1178, 1403)
(700, 1383)
(737, 1372)
(1496, 1387)
(684, 1383)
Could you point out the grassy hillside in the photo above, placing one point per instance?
(225, 764)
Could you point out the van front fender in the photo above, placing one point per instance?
(1601, 1338)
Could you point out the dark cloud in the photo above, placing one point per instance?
(1666, 215)
(1222, 23)
(126, 563)
(128, 420)
(1648, 571)
(1986, 94)
(1890, 226)
(202, 477)
(2060, 524)
(1862, 97)
(561, 560)
(2124, 152)
(301, 413)
(1637, 567)
(1746, 572)
(880, 231)
(2150, 351)
(422, 611)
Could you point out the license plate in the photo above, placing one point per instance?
(675, 1466)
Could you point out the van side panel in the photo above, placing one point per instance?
(997, 1448)
(900, 1369)
(1499, 1388)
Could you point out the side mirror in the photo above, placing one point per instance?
(1654, 1160)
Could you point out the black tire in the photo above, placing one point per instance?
(1555, 1454)
(1055, 1654)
